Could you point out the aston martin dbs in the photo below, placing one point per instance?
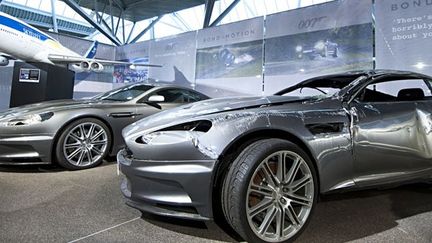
(79, 134)
(262, 162)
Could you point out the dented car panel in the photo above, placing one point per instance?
(393, 140)
(171, 167)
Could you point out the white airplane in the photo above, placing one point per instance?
(19, 40)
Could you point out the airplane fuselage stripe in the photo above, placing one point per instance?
(13, 24)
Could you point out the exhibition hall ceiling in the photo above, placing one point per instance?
(137, 10)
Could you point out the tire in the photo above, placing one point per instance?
(239, 201)
(76, 150)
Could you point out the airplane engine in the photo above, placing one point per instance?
(82, 67)
(85, 66)
(96, 67)
(4, 61)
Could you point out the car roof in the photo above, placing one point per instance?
(340, 80)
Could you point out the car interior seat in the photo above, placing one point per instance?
(410, 94)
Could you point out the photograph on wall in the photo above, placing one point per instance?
(176, 55)
(318, 44)
(332, 50)
(127, 74)
(404, 35)
(230, 59)
(134, 53)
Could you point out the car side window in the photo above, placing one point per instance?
(193, 96)
(396, 91)
(173, 95)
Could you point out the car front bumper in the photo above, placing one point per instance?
(179, 189)
(25, 149)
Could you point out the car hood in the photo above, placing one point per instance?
(50, 106)
(201, 108)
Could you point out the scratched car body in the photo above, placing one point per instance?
(78, 134)
(262, 162)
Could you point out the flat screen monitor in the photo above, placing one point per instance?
(29, 75)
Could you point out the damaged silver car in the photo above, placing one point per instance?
(262, 162)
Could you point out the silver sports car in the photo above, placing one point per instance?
(79, 134)
(262, 162)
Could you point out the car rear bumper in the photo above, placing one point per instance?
(179, 189)
(25, 149)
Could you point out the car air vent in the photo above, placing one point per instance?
(320, 128)
(140, 140)
(197, 126)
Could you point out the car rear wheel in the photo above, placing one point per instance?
(270, 191)
(83, 144)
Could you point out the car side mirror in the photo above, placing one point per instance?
(156, 98)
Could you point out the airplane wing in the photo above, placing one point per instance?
(72, 60)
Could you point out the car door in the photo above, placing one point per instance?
(390, 129)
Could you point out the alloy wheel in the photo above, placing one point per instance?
(280, 196)
(85, 144)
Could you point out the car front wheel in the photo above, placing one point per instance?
(270, 191)
(83, 144)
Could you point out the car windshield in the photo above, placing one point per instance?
(312, 92)
(319, 87)
(124, 93)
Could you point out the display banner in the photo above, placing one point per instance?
(317, 40)
(229, 59)
(6, 85)
(176, 54)
(404, 35)
(136, 53)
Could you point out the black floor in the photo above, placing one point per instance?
(47, 204)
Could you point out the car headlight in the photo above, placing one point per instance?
(299, 48)
(189, 131)
(27, 120)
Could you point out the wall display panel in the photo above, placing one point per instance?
(88, 84)
(404, 35)
(136, 53)
(176, 54)
(5, 85)
(229, 59)
(317, 40)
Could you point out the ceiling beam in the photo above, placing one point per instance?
(54, 16)
(118, 23)
(83, 14)
(120, 4)
(130, 33)
(208, 12)
(224, 13)
(103, 21)
(182, 21)
(146, 29)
